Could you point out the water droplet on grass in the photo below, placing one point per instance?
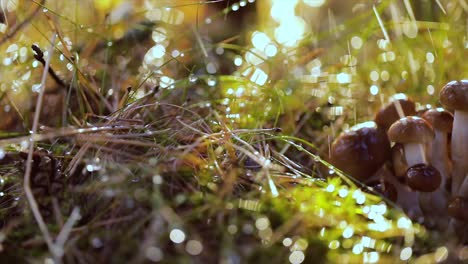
(211, 81)
(192, 78)
(97, 242)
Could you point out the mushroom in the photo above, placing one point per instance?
(407, 199)
(360, 151)
(399, 106)
(423, 178)
(426, 180)
(441, 121)
(454, 95)
(413, 132)
(398, 161)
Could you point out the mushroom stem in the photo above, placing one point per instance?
(414, 154)
(399, 161)
(406, 198)
(463, 191)
(439, 157)
(435, 203)
(459, 149)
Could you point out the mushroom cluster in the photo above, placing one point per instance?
(418, 159)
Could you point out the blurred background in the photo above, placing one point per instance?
(201, 89)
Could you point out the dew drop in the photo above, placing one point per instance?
(296, 257)
(93, 167)
(175, 53)
(219, 50)
(194, 247)
(211, 81)
(406, 253)
(192, 78)
(96, 242)
(356, 42)
(238, 61)
(177, 236)
(136, 179)
(430, 89)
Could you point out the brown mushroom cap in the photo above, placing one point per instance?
(454, 95)
(410, 129)
(360, 151)
(440, 119)
(389, 114)
(423, 178)
(458, 208)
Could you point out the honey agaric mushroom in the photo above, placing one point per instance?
(454, 95)
(398, 107)
(441, 121)
(360, 151)
(426, 180)
(413, 132)
(398, 161)
(423, 178)
(407, 199)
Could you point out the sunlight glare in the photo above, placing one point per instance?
(290, 31)
(314, 3)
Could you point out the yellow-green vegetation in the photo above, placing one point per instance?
(139, 131)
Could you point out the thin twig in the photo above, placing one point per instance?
(67, 228)
(105, 223)
(73, 165)
(109, 139)
(27, 175)
(39, 56)
(64, 132)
